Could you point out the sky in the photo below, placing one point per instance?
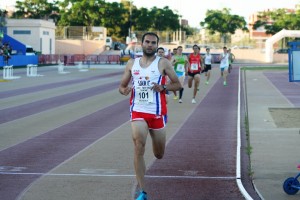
(195, 12)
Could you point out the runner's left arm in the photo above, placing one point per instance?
(174, 83)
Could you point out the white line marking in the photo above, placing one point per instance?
(238, 145)
(84, 149)
(124, 175)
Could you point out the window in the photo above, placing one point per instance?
(22, 32)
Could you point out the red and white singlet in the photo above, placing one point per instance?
(195, 61)
(143, 98)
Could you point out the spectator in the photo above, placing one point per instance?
(6, 54)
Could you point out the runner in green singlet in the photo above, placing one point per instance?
(180, 62)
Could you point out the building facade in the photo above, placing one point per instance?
(40, 34)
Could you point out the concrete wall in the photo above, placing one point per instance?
(79, 46)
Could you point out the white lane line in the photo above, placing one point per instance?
(124, 175)
(238, 145)
(67, 160)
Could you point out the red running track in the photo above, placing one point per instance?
(200, 160)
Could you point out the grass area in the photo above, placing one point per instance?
(4, 80)
(265, 68)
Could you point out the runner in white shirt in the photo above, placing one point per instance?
(224, 65)
(148, 109)
(207, 62)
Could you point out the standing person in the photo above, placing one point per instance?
(1, 50)
(207, 62)
(6, 54)
(180, 61)
(224, 65)
(194, 70)
(169, 54)
(148, 108)
(231, 59)
(174, 51)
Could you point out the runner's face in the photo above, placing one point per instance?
(196, 50)
(149, 45)
(179, 51)
(160, 53)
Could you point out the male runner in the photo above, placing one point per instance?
(180, 62)
(194, 70)
(148, 107)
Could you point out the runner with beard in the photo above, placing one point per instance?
(148, 109)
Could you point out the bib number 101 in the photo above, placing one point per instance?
(144, 95)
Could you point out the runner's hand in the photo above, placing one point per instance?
(125, 91)
(156, 87)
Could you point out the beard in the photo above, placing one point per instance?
(148, 54)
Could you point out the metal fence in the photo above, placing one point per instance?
(72, 59)
(165, 36)
(86, 33)
(75, 33)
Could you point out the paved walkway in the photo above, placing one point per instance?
(68, 137)
(275, 149)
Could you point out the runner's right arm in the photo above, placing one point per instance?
(124, 89)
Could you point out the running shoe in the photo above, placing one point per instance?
(142, 196)
(225, 83)
(180, 101)
(193, 101)
(206, 83)
(175, 97)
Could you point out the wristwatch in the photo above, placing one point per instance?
(164, 87)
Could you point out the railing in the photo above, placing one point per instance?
(71, 59)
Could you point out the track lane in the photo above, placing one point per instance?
(204, 149)
(27, 109)
(42, 153)
(41, 87)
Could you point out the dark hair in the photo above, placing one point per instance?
(179, 47)
(175, 49)
(195, 46)
(224, 47)
(160, 48)
(150, 33)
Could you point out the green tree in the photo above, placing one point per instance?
(155, 19)
(3, 14)
(36, 9)
(221, 21)
(115, 19)
(164, 19)
(82, 12)
(275, 21)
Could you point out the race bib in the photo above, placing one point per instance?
(180, 68)
(194, 66)
(144, 95)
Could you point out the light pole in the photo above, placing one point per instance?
(130, 14)
(179, 29)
